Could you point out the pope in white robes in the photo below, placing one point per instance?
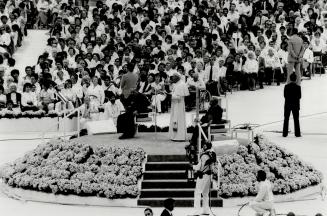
(177, 127)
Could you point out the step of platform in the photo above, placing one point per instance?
(172, 192)
(170, 165)
(179, 202)
(169, 183)
(166, 158)
(166, 174)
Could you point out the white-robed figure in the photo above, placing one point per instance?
(113, 108)
(264, 201)
(89, 111)
(177, 127)
(203, 181)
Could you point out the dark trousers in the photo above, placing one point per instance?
(212, 87)
(287, 113)
(190, 100)
(126, 124)
(33, 108)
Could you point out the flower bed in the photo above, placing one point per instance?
(68, 167)
(6, 114)
(284, 169)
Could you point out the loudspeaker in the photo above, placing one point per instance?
(101, 127)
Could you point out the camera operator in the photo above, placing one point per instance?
(203, 181)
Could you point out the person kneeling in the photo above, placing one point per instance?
(263, 202)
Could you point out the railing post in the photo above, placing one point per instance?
(64, 120)
(155, 113)
(197, 120)
(78, 122)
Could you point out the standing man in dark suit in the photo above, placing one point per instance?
(295, 54)
(169, 207)
(292, 95)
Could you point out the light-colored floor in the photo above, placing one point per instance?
(261, 107)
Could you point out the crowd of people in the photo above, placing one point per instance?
(119, 47)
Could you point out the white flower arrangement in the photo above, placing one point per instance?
(68, 167)
(285, 170)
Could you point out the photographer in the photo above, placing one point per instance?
(203, 181)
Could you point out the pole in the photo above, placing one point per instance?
(197, 120)
(78, 122)
(64, 120)
(155, 113)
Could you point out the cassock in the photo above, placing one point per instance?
(177, 127)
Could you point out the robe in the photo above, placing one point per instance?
(177, 127)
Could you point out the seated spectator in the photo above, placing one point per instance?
(28, 74)
(5, 40)
(113, 108)
(90, 112)
(96, 91)
(272, 67)
(11, 109)
(192, 83)
(250, 69)
(14, 96)
(3, 98)
(17, 79)
(144, 84)
(47, 97)
(307, 58)
(109, 86)
(35, 82)
(68, 93)
(60, 80)
(29, 99)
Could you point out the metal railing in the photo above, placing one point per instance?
(66, 115)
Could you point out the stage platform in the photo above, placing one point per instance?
(152, 144)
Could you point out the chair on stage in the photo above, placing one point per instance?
(223, 128)
(317, 63)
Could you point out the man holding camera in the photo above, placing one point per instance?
(203, 181)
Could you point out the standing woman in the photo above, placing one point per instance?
(251, 68)
(177, 127)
